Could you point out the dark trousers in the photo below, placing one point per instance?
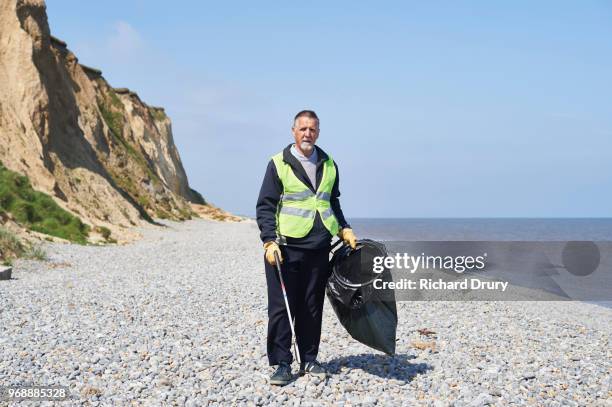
(305, 274)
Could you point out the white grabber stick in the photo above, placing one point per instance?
(282, 283)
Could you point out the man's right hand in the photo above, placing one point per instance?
(271, 247)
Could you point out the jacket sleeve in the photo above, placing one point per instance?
(335, 202)
(269, 196)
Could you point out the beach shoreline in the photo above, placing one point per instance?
(179, 316)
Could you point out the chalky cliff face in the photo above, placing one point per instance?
(101, 152)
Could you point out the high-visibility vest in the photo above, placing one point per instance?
(296, 210)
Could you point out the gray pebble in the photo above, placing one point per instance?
(179, 317)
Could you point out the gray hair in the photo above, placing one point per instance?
(305, 113)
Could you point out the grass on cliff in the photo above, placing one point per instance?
(158, 114)
(38, 211)
(112, 112)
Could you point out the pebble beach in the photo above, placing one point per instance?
(179, 318)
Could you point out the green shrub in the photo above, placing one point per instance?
(115, 101)
(21, 181)
(10, 246)
(25, 213)
(36, 210)
(158, 114)
(114, 120)
(50, 224)
(104, 231)
(6, 198)
(36, 252)
(161, 214)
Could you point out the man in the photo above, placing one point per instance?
(298, 212)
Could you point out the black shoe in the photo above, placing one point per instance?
(282, 375)
(314, 369)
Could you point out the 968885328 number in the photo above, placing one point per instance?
(40, 393)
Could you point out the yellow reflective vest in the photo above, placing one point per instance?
(296, 210)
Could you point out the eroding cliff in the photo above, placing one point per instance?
(104, 154)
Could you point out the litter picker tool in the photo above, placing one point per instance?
(282, 283)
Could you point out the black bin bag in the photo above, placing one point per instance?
(369, 315)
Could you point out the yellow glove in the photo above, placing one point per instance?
(348, 236)
(270, 248)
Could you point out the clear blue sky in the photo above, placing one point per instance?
(431, 109)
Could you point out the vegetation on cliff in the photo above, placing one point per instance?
(11, 247)
(102, 160)
(135, 163)
(36, 210)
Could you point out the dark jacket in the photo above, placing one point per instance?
(270, 194)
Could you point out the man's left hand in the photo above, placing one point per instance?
(348, 236)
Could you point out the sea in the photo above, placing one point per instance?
(483, 229)
(597, 230)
